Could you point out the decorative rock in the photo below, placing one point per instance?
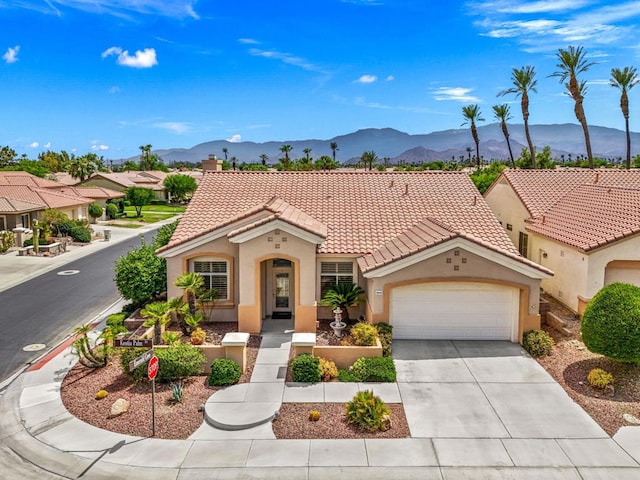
(631, 419)
(119, 407)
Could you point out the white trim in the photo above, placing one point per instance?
(457, 242)
(279, 224)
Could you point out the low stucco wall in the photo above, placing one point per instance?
(344, 357)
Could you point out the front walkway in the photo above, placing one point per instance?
(475, 410)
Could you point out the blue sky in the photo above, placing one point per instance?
(111, 75)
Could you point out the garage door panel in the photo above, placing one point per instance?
(454, 311)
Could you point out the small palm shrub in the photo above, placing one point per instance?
(364, 334)
(374, 369)
(599, 378)
(224, 372)
(368, 412)
(537, 343)
(305, 368)
(171, 338)
(385, 336)
(328, 369)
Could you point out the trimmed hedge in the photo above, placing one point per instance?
(374, 369)
(175, 362)
(305, 368)
(611, 323)
(537, 342)
(224, 372)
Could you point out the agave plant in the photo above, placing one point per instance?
(343, 295)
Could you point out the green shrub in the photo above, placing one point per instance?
(171, 338)
(385, 336)
(224, 372)
(112, 210)
(611, 322)
(157, 201)
(347, 376)
(116, 319)
(95, 210)
(6, 240)
(328, 369)
(599, 378)
(305, 368)
(374, 369)
(80, 234)
(174, 362)
(537, 342)
(364, 334)
(368, 412)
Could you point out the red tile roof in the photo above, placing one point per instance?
(47, 198)
(24, 178)
(582, 208)
(13, 206)
(96, 193)
(362, 212)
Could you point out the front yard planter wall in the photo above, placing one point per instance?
(344, 357)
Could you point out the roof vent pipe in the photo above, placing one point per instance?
(406, 189)
(597, 175)
(391, 184)
(475, 200)
(543, 219)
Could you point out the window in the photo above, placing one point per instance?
(523, 244)
(215, 274)
(332, 273)
(509, 227)
(25, 220)
(3, 223)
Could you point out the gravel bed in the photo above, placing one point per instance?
(570, 363)
(293, 422)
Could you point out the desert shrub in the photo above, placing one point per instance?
(224, 372)
(175, 362)
(171, 338)
(314, 415)
(6, 241)
(385, 336)
(101, 394)
(305, 368)
(347, 376)
(364, 334)
(611, 322)
(374, 369)
(80, 234)
(198, 336)
(328, 369)
(112, 210)
(95, 210)
(177, 393)
(599, 378)
(368, 412)
(537, 342)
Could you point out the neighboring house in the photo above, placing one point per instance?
(99, 195)
(426, 248)
(15, 213)
(582, 224)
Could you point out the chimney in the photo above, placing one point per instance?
(212, 164)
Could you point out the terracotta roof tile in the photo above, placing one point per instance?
(19, 178)
(12, 205)
(97, 193)
(362, 212)
(591, 216)
(48, 198)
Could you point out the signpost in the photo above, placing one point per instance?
(140, 359)
(152, 371)
(129, 342)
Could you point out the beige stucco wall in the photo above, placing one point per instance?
(508, 209)
(355, 311)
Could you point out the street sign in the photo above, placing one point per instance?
(129, 342)
(152, 369)
(140, 359)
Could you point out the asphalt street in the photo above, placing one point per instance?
(46, 309)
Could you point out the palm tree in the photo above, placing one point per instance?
(233, 163)
(524, 81)
(573, 62)
(286, 149)
(471, 114)
(625, 80)
(334, 146)
(192, 283)
(342, 295)
(225, 150)
(157, 315)
(81, 168)
(368, 159)
(263, 158)
(503, 113)
(307, 151)
(145, 154)
(469, 150)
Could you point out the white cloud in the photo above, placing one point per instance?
(248, 41)
(99, 147)
(141, 59)
(114, 89)
(367, 79)
(286, 58)
(47, 145)
(175, 127)
(34, 145)
(519, 6)
(234, 138)
(458, 94)
(390, 78)
(11, 55)
(118, 8)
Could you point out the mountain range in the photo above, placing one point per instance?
(564, 140)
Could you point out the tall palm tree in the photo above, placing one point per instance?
(263, 158)
(233, 163)
(573, 62)
(81, 168)
(286, 149)
(145, 160)
(333, 146)
(625, 80)
(306, 151)
(471, 114)
(225, 150)
(368, 159)
(524, 81)
(157, 315)
(503, 113)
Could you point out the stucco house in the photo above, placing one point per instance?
(582, 224)
(425, 247)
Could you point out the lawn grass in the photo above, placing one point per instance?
(146, 217)
(157, 208)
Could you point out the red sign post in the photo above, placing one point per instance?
(152, 371)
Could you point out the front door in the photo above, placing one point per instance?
(282, 290)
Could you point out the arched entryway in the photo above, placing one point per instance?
(277, 280)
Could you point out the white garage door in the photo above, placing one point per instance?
(454, 311)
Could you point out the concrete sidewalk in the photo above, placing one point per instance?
(42, 440)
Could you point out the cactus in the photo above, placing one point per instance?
(314, 415)
(101, 394)
(177, 392)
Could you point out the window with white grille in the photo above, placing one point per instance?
(332, 273)
(215, 274)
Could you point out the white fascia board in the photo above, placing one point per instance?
(196, 242)
(276, 224)
(465, 244)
